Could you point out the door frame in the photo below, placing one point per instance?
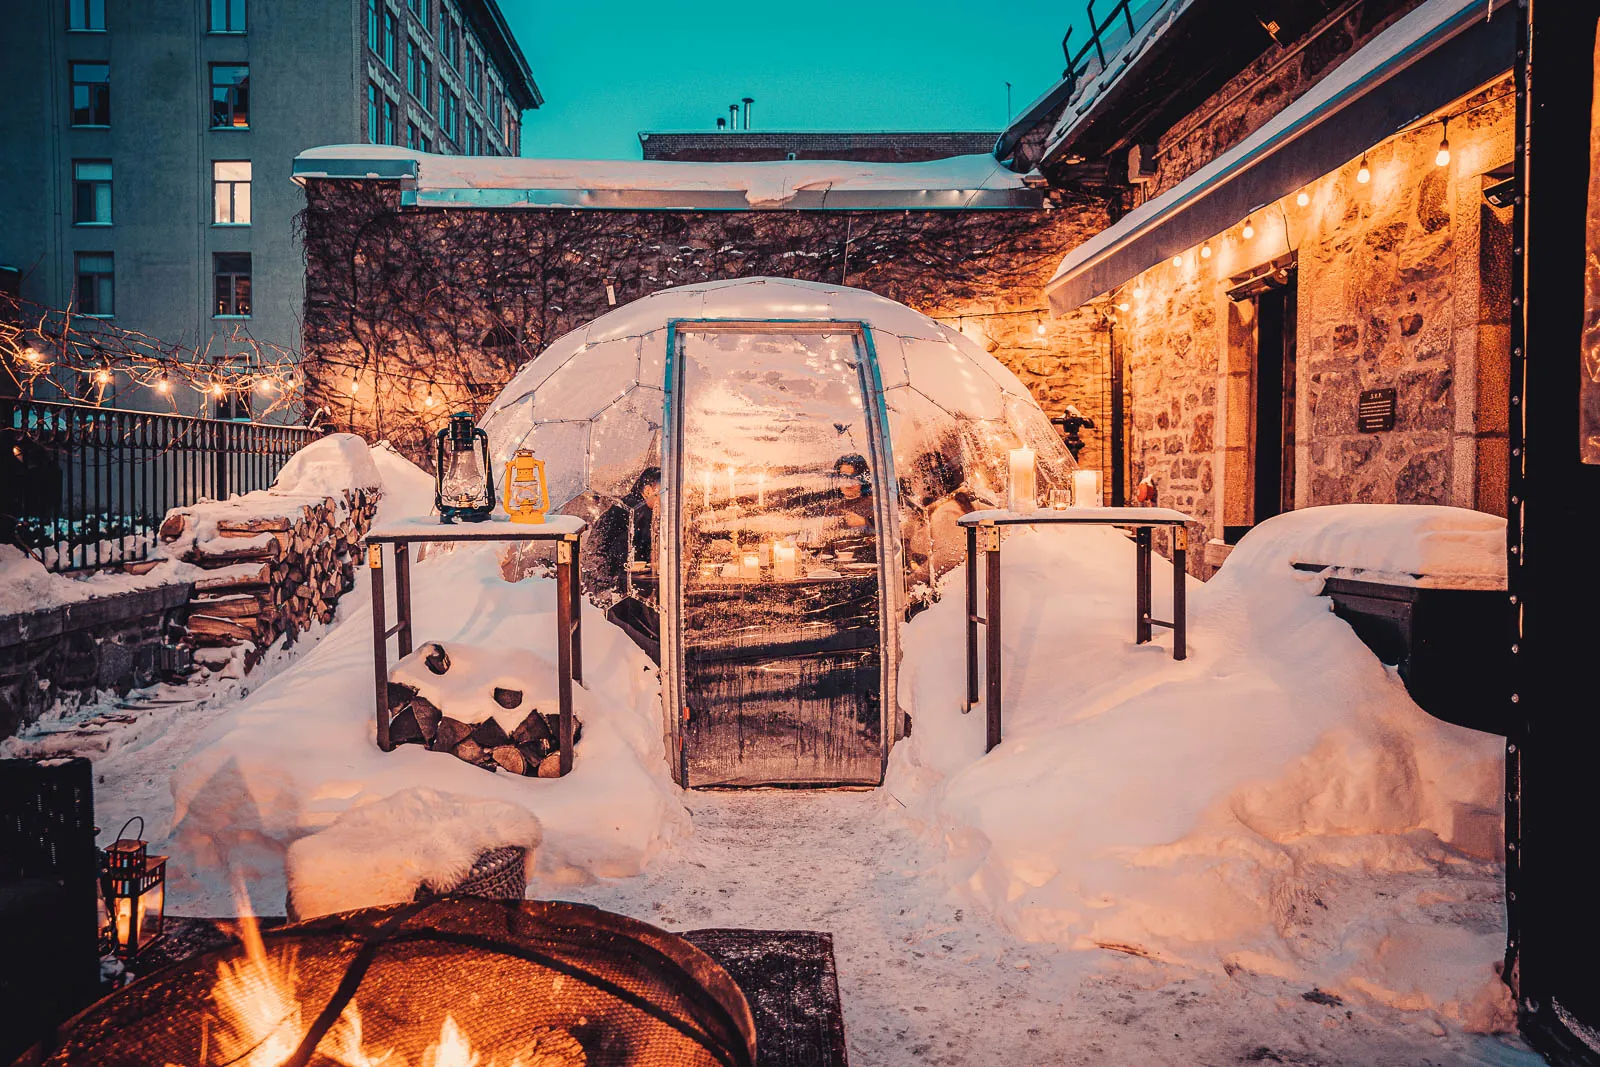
(891, 569)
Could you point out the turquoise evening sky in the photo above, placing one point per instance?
(611, 69)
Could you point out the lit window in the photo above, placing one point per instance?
(230, 97)
(91, 192)
(91, 94)
(230, 192)
(227, 16)
(231, 283)
(87, 16)
(95, 284)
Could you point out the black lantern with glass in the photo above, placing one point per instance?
(133, 889)
(462, 478)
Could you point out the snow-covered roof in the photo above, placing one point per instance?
(955, 184)
(1259, 170)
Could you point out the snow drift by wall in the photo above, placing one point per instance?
(1274, 804)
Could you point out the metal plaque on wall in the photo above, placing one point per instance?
(1375, 411)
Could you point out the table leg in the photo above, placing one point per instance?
(380, 646)
(1180, 578)
(991, 628)
(972, 619)
(564, 568)
(402, 595)
(1141, 540)
(577, 611)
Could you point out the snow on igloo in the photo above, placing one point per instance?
(753, 438)
(593, 407)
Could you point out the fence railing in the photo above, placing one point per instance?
(1107, 36)
(84, 487)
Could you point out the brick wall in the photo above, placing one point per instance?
(745, 146)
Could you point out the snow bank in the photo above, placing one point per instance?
(1247, 809)
(1442, 545)
(329, 466)
(407, 488)
(301, 751)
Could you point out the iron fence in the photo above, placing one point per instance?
(84, 487)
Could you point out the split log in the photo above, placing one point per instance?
(550, 766)
(403, 729)
(507, 698)
(437, 659)
(172, 526)
(470, 751)
(248, 527)
(450, 733)
(490, 734)
(210, 626)
(511, 759)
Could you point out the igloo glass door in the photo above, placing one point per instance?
(781, 630)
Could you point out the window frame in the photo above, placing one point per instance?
(78, 274)
(233, 194)
(374, 112)
(391, 40)
(375, 27)
(107, 182)
(391, 120)
(233, 276)
(87, 6)
(234, 91)
(228, 8)
(72, 94)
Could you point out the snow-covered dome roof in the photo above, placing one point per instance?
(591, 405)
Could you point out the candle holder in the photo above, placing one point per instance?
(1085, 489)
(1023, 486)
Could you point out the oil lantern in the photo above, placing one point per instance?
(133, 886)
(526, 496)
(462, 479)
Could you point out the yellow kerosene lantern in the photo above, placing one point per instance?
(527, 497)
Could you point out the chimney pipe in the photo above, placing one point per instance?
(722, 123)
(747, 102)
(733, 116)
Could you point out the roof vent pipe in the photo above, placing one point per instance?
(733, 116)
(747, 102)
(722, 124)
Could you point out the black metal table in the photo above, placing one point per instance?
(565, 530)
(983, 533)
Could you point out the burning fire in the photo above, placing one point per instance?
(260, 1021)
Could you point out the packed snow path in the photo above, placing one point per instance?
(926, 981)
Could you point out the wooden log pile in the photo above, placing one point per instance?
(531, 748)
(273, 569)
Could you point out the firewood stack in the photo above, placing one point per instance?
(531, 748)
(272, 571)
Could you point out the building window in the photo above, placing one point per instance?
(419, 8)
(230, 97)
(419, 75)
(230, 192)
(231, 283)
(391, 41)
(95, 284)
(413, 137)
(86, 16)
(227, 16)
(91, 192)
(450, 114)
(475, 76)
(91, 94)
(449, 37)
(427, 143)
(374, 28)
(391, 120)
(374, 130)
(474, 138)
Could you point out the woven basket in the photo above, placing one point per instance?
(497, 874)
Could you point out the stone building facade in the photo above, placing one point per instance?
(426, 311)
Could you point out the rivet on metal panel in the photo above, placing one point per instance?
(563, 552)
(375, 556)
(1180, 536)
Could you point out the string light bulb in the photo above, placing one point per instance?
(1443, 158)
(1205, 250)
(355, 387)
(1039, 327)
(163, 387)
(1177, 261)
(102, 376)
(1364, 173)
(32, 355)
(265, 385)
(1138, 292)
(1249, 230)
(217, 390)
(427, 401)
(1303, 199)
(1123, 306)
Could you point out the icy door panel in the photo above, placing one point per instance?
(782, 650)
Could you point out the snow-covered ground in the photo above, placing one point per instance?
(1265, 853)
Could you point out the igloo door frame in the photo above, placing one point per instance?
(891, 567)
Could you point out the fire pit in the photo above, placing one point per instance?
(451, 983)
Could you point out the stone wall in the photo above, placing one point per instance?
(65, 654)
(1399, 286)
(430, 311)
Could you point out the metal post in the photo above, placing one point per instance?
(380, 646)
(1118, 458)
(402, 594)
(991, 632)
(1141, 540)
(1180, 578)
(972, 619)
(577, 612)
(565, 565)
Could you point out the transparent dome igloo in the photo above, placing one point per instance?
(594, 407)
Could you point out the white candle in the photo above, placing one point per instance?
(784, 556)
(1085, 489)
(751, 566)
(1024, 489)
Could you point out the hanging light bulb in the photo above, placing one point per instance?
(1205, 250)
(1039, 327)
(1249, 230)
(217, 390)
(1364, 174)
(1443, 158)
(1138, 292)
(427, 401)
(1303, 199)
(163, 387)
(1123, 306)
(355, 387)
(1177, 261)
(103, 377)
(265, 385)
(32, 355)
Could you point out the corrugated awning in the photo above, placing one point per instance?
(1437, 53)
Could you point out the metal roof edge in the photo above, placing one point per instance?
(502, 40)
(373, 168)
(726, 200)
